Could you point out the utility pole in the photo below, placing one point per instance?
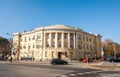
(11, 47)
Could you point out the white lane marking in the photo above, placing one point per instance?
(87, 72)
(63, 76)
(80, 73)
(110, 75)
(72, 74)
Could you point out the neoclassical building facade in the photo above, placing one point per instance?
(56, 41)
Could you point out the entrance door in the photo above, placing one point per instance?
(60, 55)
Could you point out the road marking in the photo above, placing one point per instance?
(72, 74)
(87, 72)
(80, 73)
(110, 75)
(63, 76)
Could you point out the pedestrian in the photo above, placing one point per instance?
(11, 59)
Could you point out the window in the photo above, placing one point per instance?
(47, 45)
(53, 44)
(71, 37)
(66, 54)
(53, 36)
(24, 47)
(52, 53)
(65, 36)
(80, 46)
(87, 39)
(80, 37)
(33, 45)
(65, 45)
(33, 37)
(90, 47)
(71, 46)
(59, 45)
(25, 39)
(37, 46)
(38, 36)
(90, 39)
(48, 36)
(28, 47)
(80, 54)
(59, 36)
(45, 53)
(87, 46)
(83, 38)
(29, 38)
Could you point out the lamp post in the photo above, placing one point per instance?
(11, 47)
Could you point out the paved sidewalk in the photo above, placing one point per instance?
(104, 66)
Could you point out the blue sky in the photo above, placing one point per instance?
(96, 16)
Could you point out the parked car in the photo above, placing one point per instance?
(115, 59)
(58, 61)
(102, 59)
(87, 60)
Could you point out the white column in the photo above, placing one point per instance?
(44, 40)
(68, 40)
(50, 41)
(62, 39)
(74, 40)
(56, 40)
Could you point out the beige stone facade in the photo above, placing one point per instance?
(56, 41)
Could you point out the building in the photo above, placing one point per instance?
(56, 41)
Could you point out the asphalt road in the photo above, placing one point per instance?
(47, 70)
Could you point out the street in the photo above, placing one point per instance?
(47, 70)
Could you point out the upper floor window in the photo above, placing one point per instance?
(47, 45)
(29, 38)
(59, 45)
(87, 39)
(71, 37)
(48, 36)
(38, 36)
(65, 36)
(90, 39)
(59, 36)
(80, 46)
(25, 39)
(28, 46)
(87, 46)
(45, 53)
(91, 47)
(33, 37)
(80, 37)
(37, 46)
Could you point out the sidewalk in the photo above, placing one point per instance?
(104, 66)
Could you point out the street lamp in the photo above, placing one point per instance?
(11, 46)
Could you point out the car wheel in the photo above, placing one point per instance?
(111, 61)
(65, 63)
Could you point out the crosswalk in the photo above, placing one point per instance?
(109, 75)
(101, 74)
(78, 74)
